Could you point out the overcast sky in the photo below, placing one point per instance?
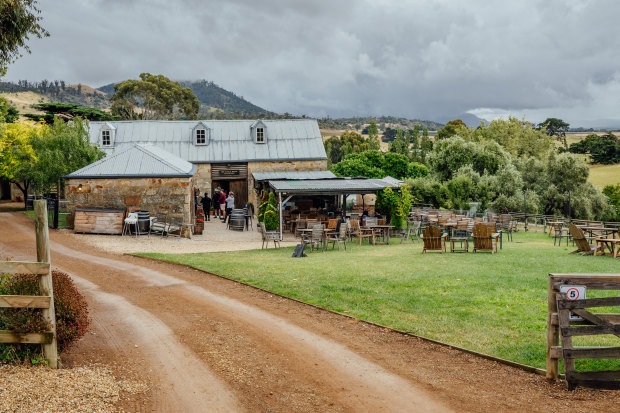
(427, 59)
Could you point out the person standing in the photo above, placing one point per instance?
(206, 206)
(230, 204)
(222, 204)
(216, 203)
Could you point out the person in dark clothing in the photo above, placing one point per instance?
(365, 215)
(216, 203)
(206, 206)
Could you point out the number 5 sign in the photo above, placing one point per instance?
(574, 292)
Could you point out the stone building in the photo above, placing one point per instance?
(221, 153)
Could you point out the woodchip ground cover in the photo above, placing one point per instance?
(495, 304)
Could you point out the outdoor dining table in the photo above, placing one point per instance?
(602, 231)
(326, 231)
(384, 230)
(611, 244)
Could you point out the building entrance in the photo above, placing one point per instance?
(231, 177)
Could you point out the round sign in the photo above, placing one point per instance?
(572, 294)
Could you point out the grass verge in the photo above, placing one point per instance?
(495, 304)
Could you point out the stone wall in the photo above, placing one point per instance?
(159, 196)
(202, 178)
(278, 167)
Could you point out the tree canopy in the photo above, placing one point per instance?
(603, 149)
(374, 164)
(557, 128)
(452, 128)
(19, 19)
(153, 97)
(67, 111)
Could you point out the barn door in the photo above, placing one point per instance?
(240, 188)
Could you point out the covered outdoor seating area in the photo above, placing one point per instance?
(314, 210)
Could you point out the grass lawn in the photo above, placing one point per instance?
(495, 304)
(62, 218)
(601, 175)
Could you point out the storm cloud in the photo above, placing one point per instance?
(420, 59)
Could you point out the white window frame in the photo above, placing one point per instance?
(204, 136)
(106, 134)
(260, 135)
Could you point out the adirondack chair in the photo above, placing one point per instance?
(433, 239)
(583, 245)
(484, 238)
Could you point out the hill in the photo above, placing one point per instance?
(383, 122)
(214, 101)
(24, 93)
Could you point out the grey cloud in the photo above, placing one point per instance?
(423, 59)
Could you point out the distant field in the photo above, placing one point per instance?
(601, 175)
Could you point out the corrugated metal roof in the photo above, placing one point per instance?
(264, 176)
(231, 140)
(330, 186)
(144, 161)
(394, 181)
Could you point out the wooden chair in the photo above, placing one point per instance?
(339, 237)
(315, 238)
(301, 224)
(357, 232)
(269, 236)
(413, 231)
(332, 223)
(583, 245)
(433, 239)
(506, 223)
(484, 238)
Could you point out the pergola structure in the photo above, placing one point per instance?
(331, 186)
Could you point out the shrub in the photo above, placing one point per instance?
(270, 216)
(71, 313)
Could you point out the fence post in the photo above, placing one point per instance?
(553, 334)
(45, 281)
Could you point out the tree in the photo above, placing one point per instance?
(452, 128)
(557, 128)
(516, 136)
(153, 97)
(426, 145)
(603, 149)
(389, 135)
(8, 113)
(61, 148)
(17, 155)
(373, 137)
(67, 111)
(19, 19)
(399, 145)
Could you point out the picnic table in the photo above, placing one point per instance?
(599, 230)
(610, 243)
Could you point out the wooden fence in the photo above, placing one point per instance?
(45, 301)
(560, 327)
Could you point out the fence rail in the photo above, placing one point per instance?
(45, 301)
(561, 328)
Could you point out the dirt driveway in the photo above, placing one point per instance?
(208, 344)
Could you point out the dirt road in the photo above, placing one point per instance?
(208, 344)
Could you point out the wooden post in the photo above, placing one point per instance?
(553, 334)
(280, 213)
(45, 281)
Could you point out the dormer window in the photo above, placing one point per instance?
(201, 134)
(259, 132)
(106, 138)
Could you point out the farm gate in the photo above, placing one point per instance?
(568, 317)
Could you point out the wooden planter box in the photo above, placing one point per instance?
(99, 221)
